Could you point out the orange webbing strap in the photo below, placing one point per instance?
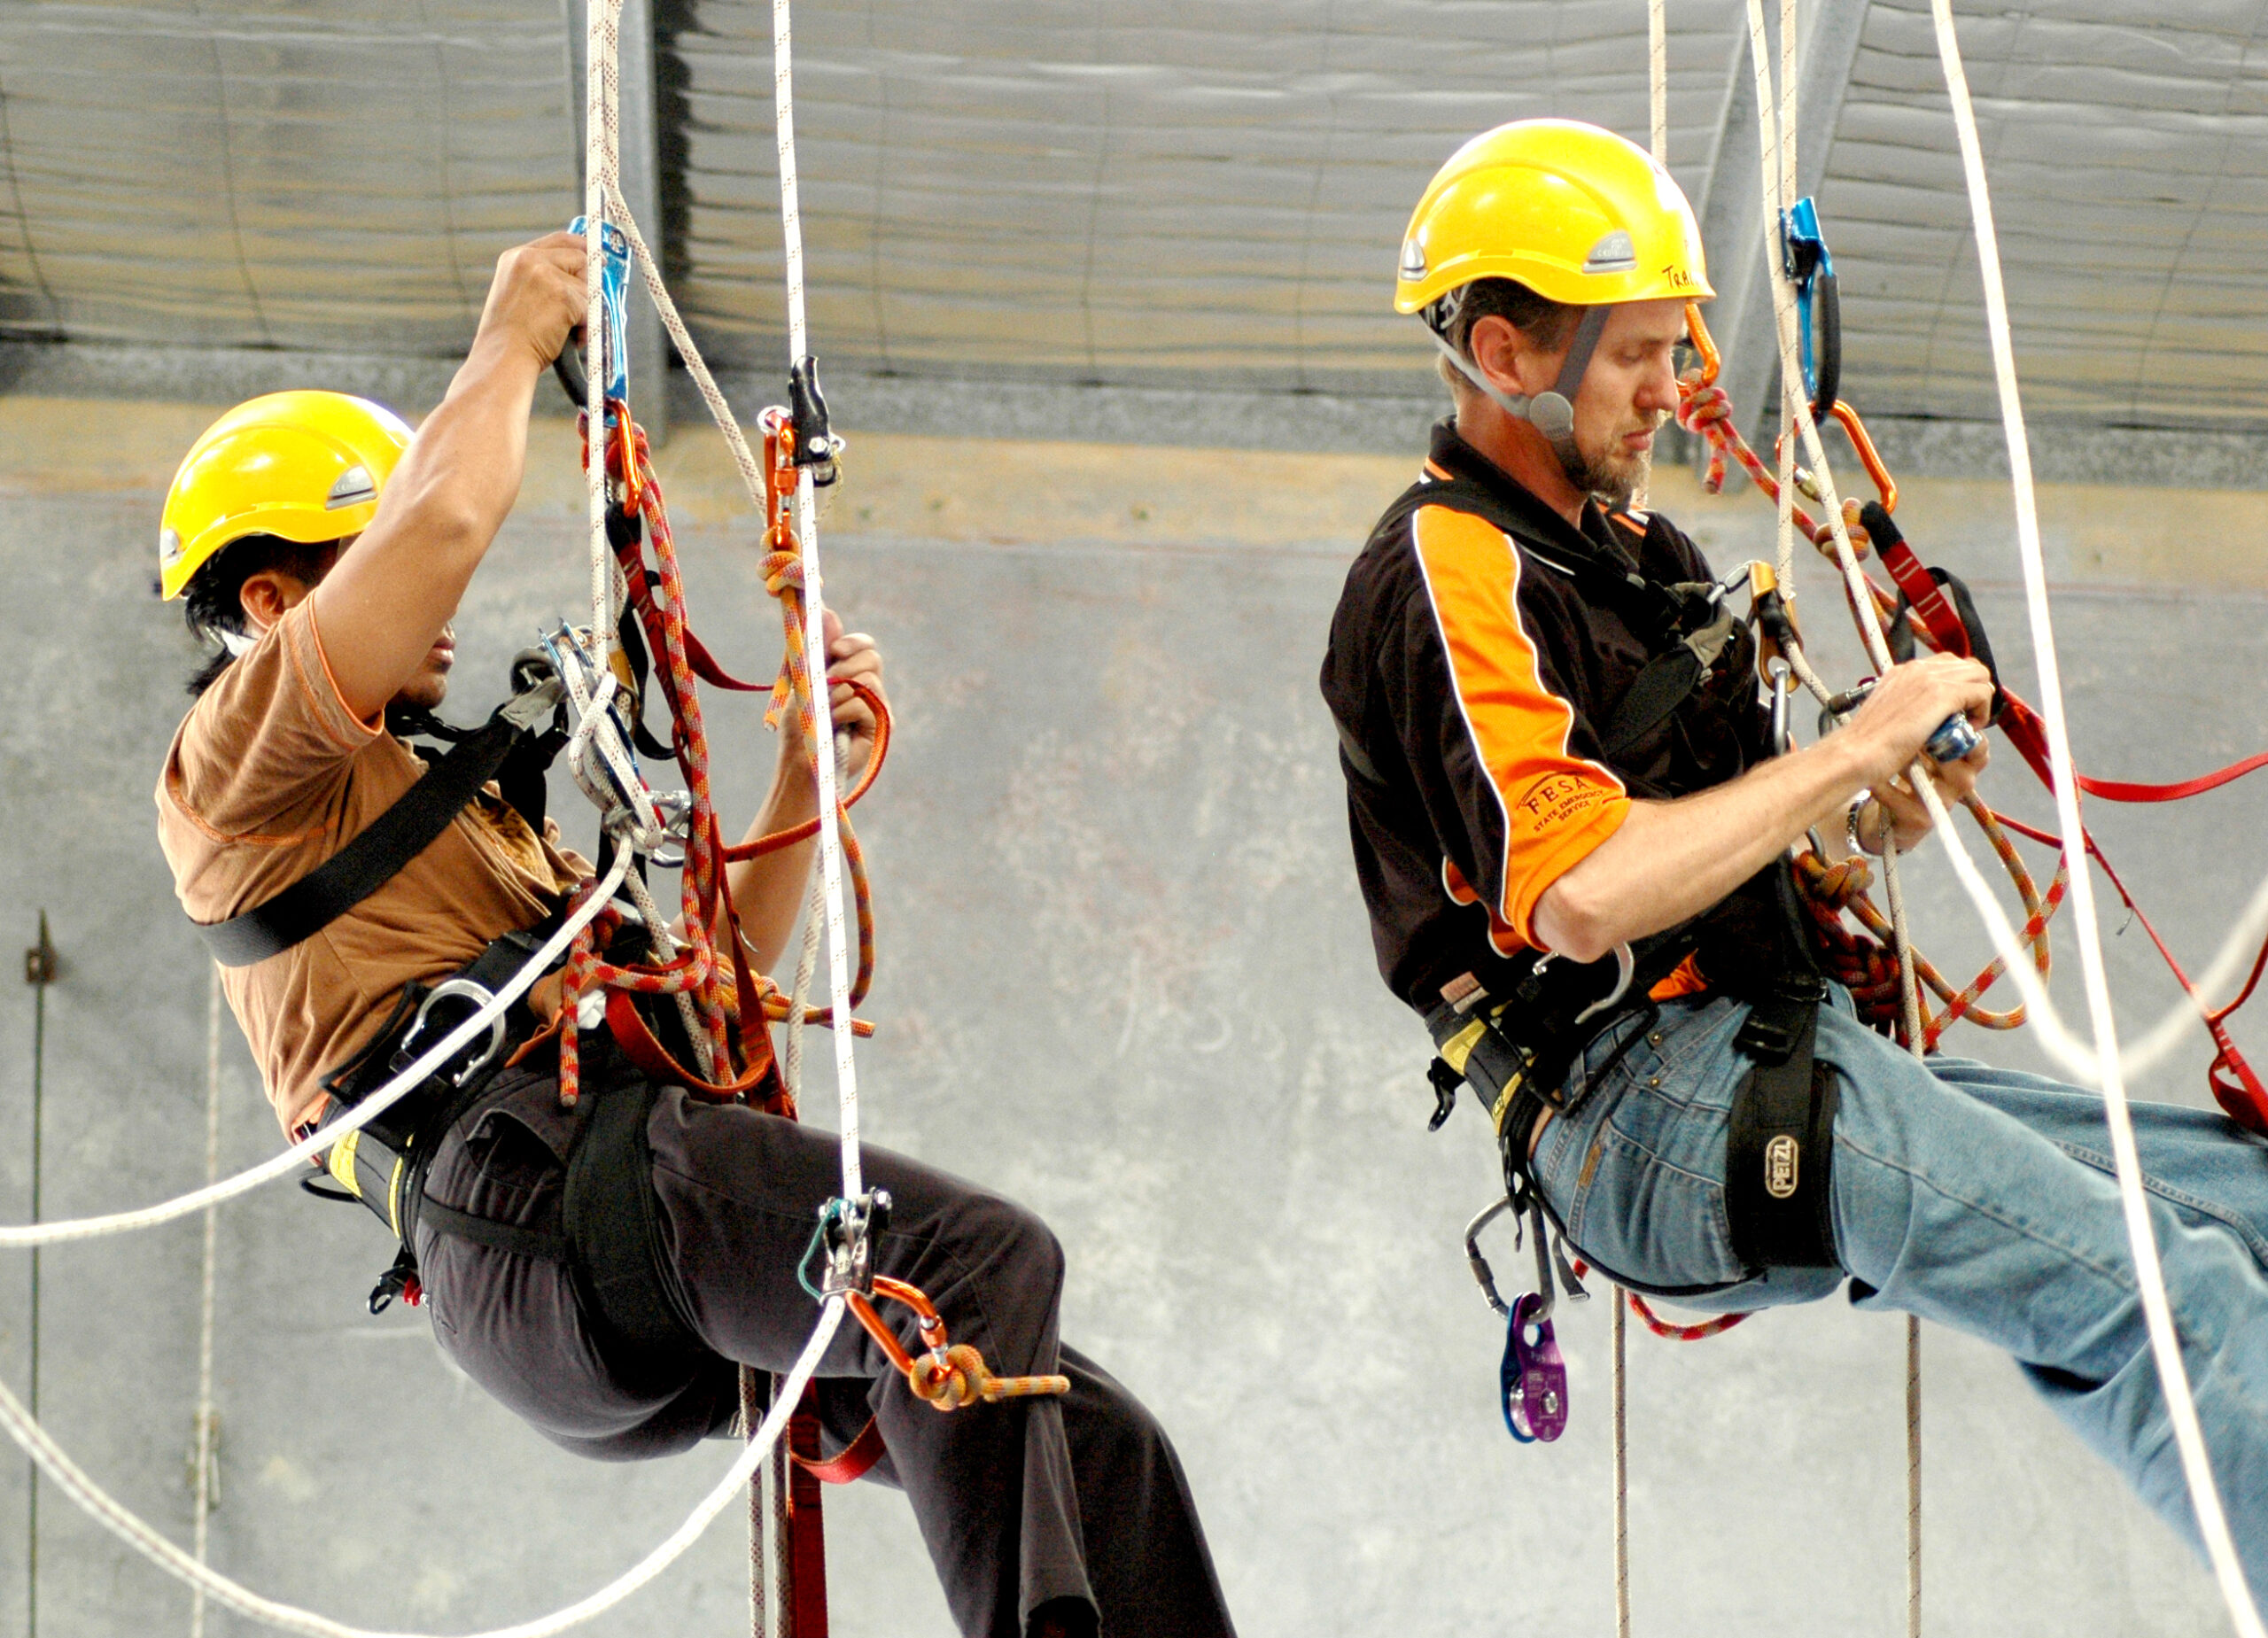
(853, 1462)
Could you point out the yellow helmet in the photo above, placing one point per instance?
(305, 466)
(1576, 214)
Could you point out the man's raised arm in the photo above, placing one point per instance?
(383, 605)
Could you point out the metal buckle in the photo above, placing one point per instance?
(454, 990)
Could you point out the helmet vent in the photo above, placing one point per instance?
(1413, 259)
(1614, 253)
(169, 548)
(353, 488)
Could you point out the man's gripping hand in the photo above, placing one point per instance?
(850, 655)
(536, 300)
(1897, 719)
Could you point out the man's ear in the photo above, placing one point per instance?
(1507, 357)
(267, 595)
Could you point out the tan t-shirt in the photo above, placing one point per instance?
(268, 776)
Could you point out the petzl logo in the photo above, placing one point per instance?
(1780, 1159)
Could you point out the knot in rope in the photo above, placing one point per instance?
(783, 573)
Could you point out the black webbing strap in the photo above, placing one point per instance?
(375, 856)
(533, 1240)
(1780, 1145)
(614, 1237)
(1663, 684)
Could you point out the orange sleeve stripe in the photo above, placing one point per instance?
(1555, 806)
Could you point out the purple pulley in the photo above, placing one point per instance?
(1534, 1376)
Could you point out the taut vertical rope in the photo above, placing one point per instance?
(820, 729)
(202, 1488)
(1619, 1329)
(1912, 1475)
(1658, 76)
(2181, 1408)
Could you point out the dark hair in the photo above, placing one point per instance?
(214, 603)
(1546, 322)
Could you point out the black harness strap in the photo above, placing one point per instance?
(545, 1243)
(374, 857)
(613, 1235)
(1664, 683)
(1780, 1146)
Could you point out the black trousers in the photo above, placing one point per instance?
(1021, 1504)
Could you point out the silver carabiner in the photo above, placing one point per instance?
(454, 989)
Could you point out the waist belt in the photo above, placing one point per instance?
(606, 1229)
(383, 1163)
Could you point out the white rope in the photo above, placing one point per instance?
(1658, 76)
(821, 727)
(2164, 1344)
(601, 41)
(1778, 139)
(295, 1159)
(201, 1486)
(145, 1538)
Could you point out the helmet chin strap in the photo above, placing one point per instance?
(1553, 413)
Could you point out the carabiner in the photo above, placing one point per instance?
(1705, 345)
(1804, 257)
(1886, 485)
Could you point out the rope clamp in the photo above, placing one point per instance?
(614, 293)
(1804, 257)
(847, 1229)
(816, 445)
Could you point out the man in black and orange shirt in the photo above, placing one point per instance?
(1572, 822)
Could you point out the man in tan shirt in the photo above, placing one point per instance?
(325, 549)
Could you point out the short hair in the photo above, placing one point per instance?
(213, 603)
(1546, 322)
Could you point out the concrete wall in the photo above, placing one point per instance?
(1126, 977)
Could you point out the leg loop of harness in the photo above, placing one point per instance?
(1780, 1141)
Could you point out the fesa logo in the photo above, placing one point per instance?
(1558, 797)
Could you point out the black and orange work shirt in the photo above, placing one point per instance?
(1469, 675)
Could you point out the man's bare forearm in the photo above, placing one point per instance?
(768, 892)
(1674, 860)
(385, 602)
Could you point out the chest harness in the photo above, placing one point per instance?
(1516, 1037)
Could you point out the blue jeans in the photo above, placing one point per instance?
(1981, 1199)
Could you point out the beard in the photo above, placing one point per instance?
(1616, 477)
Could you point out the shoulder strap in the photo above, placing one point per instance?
(388, 842)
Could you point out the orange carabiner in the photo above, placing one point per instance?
(1703, 344)
(1884, 484)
